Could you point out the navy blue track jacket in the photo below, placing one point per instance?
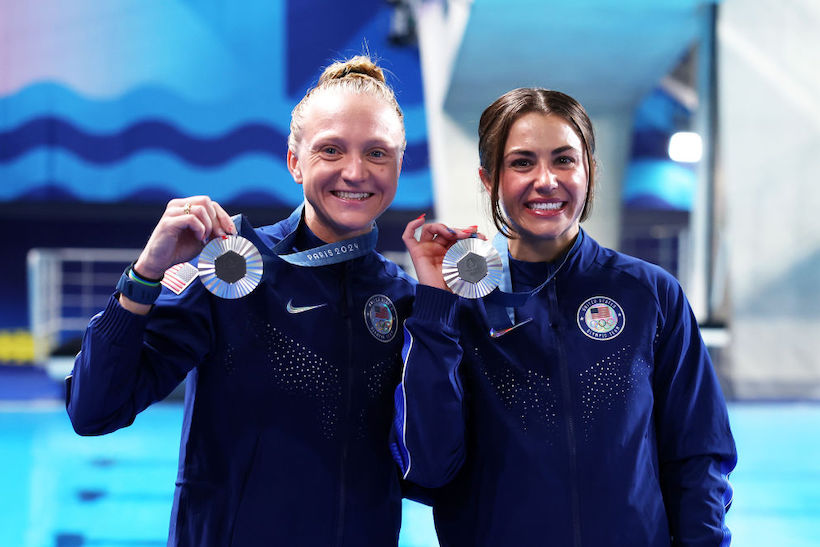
(600, 422)
(288, 403)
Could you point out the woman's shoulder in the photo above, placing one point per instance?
(637, 277)
(274, 233)
(646, 273)
(394, 272)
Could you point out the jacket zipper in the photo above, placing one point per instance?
(347, 306)
(567, 396)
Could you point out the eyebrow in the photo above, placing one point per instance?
(520, 152)
(530, 153)
(337, 139)
(562, 149)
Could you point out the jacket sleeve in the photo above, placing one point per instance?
(128, 361)
(695, 445)
(428, 427)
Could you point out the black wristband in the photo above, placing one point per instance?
(136, 291)
(148, 279)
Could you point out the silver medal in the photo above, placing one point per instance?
(230, 267)
(472, 268)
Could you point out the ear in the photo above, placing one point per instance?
(485, 180)
(293, 167)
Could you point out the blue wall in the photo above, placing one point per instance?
(107, 110)
(143, 101)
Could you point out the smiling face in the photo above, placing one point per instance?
(348, 160)
(542, 185)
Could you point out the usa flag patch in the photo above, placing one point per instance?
(601, 318)
(179, 276)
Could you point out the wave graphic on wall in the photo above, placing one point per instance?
(158, 135)
(109, 150)
(30, 175)
(96, 115)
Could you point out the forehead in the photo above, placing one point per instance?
(348, 112)
(537, 130)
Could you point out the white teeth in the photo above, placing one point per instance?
(551, 206)
(352, 195)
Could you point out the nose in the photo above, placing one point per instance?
(354, 169)
(545, 178)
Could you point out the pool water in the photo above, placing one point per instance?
(62, 490)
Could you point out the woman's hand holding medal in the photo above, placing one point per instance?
(181, 233)
(427, 252)
(183, 230)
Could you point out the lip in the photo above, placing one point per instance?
(545, 213)
(349, 196)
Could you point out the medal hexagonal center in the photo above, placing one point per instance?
(230, 267)
(472, 267)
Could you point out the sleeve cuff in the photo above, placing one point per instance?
(117, 324)
(432, 304)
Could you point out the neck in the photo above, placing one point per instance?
(540, 251)
(329, 235)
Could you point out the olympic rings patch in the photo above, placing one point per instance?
(601, 318)
(381, 318)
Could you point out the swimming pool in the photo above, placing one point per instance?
(62, 490)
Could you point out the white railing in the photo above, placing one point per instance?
(66, 287)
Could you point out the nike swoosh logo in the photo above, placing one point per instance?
(499, 333)
(301, 309)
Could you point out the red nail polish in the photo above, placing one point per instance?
(421, 216)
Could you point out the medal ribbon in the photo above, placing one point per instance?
(330, 253)
(502, 302)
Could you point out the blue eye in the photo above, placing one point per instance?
(329, 150)
(377, 153)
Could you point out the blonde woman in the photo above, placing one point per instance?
(289, 389)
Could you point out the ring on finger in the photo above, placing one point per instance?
(187, 209)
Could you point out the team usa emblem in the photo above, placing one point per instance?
(381, 318)
(601, 318)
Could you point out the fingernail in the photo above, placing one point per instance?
(421, 216)
(224, 237)
(474, 228)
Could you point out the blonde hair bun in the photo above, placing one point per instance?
(358, 75)
(359, 66)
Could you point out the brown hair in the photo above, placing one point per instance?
(494, 128)
(358, 74)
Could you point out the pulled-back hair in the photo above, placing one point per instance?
(358, 74)
(494, 128)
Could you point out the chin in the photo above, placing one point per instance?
(353, 228)
(545, 235)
